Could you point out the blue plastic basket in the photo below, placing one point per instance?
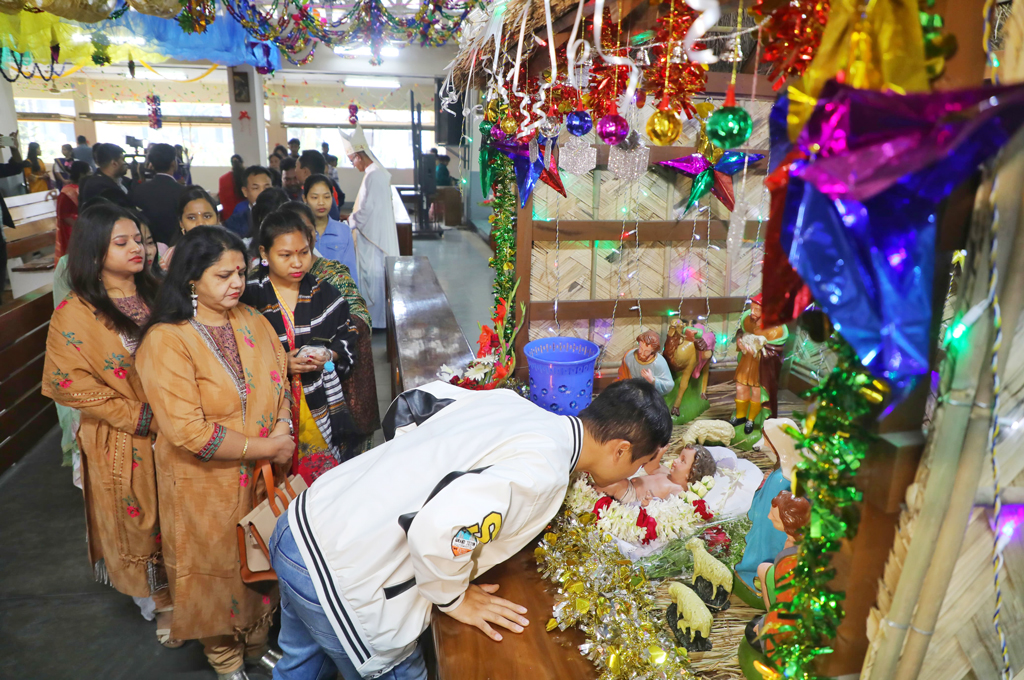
(561, 373)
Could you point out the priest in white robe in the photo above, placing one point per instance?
(373, 224)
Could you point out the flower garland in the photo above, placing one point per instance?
(836, 434)
(495, 357)
(664, 518)
(612, 603)
(156, 117)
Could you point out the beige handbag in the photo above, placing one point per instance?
(256, 528)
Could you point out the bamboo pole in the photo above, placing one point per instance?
(975, 452)
(946, 440)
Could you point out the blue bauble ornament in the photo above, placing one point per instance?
(578, 123)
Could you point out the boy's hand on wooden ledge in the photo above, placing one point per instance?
(480, 608)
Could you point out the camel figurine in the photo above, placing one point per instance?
(688, 350)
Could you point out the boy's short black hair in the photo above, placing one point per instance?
(255, 170)
(313, 161)
(287, 164)
(632, 410)
(162, 157)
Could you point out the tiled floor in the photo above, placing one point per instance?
(56, 623)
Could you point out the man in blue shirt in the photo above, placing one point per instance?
(256, 179)
(83, 152)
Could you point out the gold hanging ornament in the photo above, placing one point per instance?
(491, 111)
(509, 125)
(664, 125)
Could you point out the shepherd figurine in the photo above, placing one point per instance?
(760, 363)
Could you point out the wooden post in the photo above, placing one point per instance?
(966, 18)
(524, 257)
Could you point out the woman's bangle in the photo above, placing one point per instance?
(245, 448)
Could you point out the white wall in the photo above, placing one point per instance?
(208, 177)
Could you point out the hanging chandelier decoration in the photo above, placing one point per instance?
(297, 27)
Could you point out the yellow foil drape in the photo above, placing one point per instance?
(884, 50)
(34, 33)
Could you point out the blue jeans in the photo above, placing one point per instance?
(311, 649)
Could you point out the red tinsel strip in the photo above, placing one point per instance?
(791, 35)
(685, 79)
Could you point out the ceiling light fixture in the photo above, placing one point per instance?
(365, 51)
(367, 81)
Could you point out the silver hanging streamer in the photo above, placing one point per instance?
(534, 149)
(577, 156)
(737, 227)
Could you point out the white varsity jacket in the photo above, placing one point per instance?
(465, 481)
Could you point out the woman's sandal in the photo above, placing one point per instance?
(163, 635)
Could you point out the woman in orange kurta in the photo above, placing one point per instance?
(214, 372)
(90, 367)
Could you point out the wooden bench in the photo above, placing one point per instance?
(402, 222)
(465, 653)
(30, 244)
(422, 331)
(25, 414)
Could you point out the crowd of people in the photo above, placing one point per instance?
(191, 347)
(188, 344)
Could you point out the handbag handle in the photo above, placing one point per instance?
(264, 468)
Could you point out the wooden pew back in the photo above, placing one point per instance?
(25, 414)
(35, 219)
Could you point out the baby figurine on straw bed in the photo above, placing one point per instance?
(714, 474)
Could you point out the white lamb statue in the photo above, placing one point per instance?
(703, 431)
(752, 344)
(693, 618)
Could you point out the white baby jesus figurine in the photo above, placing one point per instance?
(693, 463)
(729, 495)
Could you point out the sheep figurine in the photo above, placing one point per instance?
(703, 431)
(689, 618)
(712, 580)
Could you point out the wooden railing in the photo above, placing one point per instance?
(34, 235)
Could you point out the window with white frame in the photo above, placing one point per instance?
(50, 134)
(209, 145)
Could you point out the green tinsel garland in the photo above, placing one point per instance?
(837, 433)
(503, 230)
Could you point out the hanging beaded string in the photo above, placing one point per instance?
(743, 182)
(618, 287)
(998, 545)
(993, 438)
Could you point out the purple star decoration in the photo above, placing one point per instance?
(860, 215)
(715, 178)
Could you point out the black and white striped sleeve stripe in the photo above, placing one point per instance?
(577, 441)
(334, 607)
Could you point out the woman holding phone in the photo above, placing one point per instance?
(313, 323)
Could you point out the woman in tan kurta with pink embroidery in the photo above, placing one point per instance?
(214, 373)
(90, 366)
